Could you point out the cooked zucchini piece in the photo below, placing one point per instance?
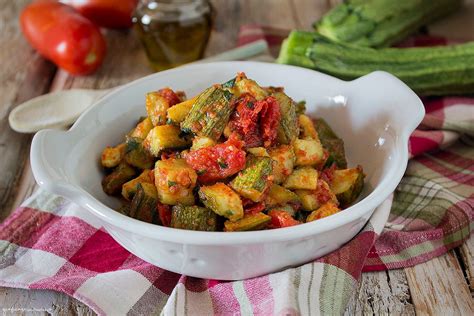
(278, 195)
(248, 222)
(193, 218)
(202, 142)
(112, 183)
(288, 128)
(302, 178)
(258, 151)
(143, 206)
(209, 114)
(156, 107)
(308, 152)
(178, 112)
(300, 107)
(325, 210)
(307, 129)
(347, 184)
(253, 181)
(333, 144)
(284, 161)
(136, 155)
(164, 137)
(245, 85)
(313, 199)
(130, 188)
(222, 200)
(175, 181)
(112, 156)
(287, 208)
(142, 129)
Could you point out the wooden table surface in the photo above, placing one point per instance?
(444, 285)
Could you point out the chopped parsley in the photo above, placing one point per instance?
(171, 183)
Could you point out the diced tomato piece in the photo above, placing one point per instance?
(256, 121)
(281, 219)
(219, 161)
(164, 212)
(170, 96)
(255, 208)
(270, 119)
(328, 173)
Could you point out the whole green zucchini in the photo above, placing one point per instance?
(440, 70)
(380, 23)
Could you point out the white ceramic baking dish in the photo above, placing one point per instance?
(374, 115)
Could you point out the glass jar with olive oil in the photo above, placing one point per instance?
(173, 32)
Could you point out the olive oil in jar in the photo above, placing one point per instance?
(173, 32)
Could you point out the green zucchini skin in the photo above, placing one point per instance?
(380, 23)
(112, 183)
(136, 155)
(333, 144)
(253, 181)
(440, 70)
(194, 218)
(288, 127)
(209, 114)
(143, 205)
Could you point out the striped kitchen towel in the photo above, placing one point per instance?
(50, 243)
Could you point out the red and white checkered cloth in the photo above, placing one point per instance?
(50, 243)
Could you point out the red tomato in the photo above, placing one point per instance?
(106, 13)
(164, 213)
(255, 208)
(219, 161)
(63, 36)
(170, 96)
(256, 121)
(281, 219)
(270, 118)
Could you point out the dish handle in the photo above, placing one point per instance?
(399, 102)
(49, 150)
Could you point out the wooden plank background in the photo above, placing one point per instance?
(444, 285)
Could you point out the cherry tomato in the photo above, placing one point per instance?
(106, 13)
(256, 121)
(63, 36)
(219, 161)
(281, 219)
